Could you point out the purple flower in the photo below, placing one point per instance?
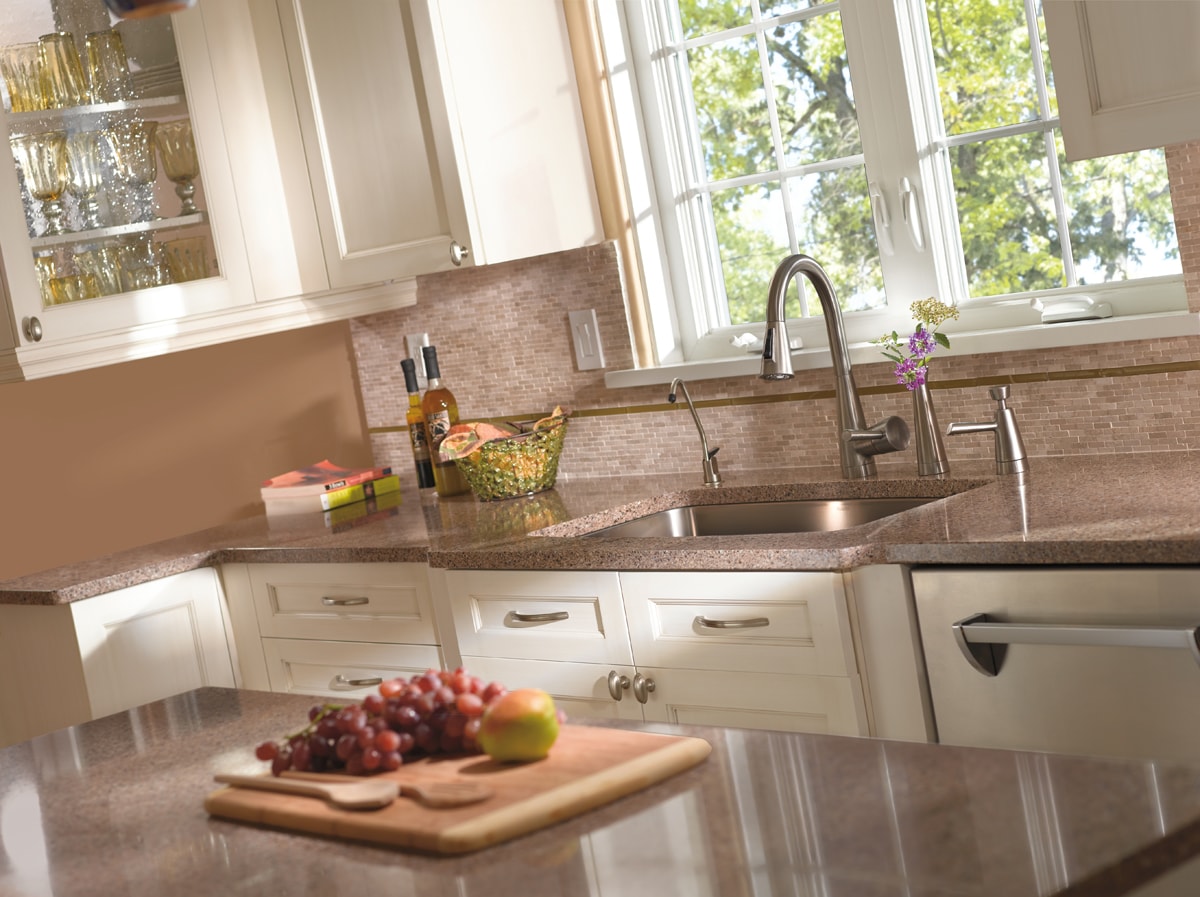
(910, 373)
(922, 343)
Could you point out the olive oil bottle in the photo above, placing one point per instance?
(416, 426)
(441, 413)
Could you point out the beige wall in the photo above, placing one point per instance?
(104, 460)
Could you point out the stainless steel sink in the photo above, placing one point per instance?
(759, 518)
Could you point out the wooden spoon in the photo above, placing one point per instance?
(358, 794)
(437, 795)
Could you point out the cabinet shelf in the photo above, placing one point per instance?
(119, 230)
(42, 119)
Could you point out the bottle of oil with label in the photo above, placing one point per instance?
(416, 426)
(441, 413)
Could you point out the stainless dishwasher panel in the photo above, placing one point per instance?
(1088, 660)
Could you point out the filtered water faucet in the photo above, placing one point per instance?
(712, 476)
(857, 442)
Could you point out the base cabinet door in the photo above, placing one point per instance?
(827, 705)
(578, 689)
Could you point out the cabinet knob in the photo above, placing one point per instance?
(33, 329)
(458, 253)
(616, 684)
(642, 686)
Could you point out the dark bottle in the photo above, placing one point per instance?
(441, 413)
(416, 426)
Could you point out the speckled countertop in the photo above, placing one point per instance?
(1100, 509)
(115, 806)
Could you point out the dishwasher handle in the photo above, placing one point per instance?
(984, 642)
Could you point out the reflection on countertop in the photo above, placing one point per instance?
(115, 806)
(1098, 509)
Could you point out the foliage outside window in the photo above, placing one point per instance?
(778, 123)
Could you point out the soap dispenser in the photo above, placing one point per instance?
(1010, 451)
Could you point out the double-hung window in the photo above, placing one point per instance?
(910, 146)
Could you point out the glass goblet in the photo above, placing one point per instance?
(177, 147)
(43, 159)
(85, 173)
(132, 144)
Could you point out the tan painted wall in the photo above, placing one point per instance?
(109, 459)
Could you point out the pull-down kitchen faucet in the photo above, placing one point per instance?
(857, 441)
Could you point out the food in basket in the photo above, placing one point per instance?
(500, 463)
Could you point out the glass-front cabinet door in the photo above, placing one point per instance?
(117, 211)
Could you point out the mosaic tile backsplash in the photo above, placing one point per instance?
(504, 348)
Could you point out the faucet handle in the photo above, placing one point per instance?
(1010, 450)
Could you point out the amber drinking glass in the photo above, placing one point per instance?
(177, 147)
(63, 84)
(21, 66)
(132, 144)
(108, 75)
(43, 159)
(104, 264)
(187, 259)
(85, 173)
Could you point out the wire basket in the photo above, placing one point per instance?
(515, 465)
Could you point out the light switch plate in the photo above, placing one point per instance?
(585, 336)
(413, 343)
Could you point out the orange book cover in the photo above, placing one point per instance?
(324, 476)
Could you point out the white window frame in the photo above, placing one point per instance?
(900, 129)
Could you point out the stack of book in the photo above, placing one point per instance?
(325, 486)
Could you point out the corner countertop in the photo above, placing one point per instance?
(115, 806)
(1141, 508)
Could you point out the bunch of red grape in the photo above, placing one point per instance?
(438, 711)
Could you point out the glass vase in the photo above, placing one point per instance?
(931, 452)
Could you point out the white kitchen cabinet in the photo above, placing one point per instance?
(69, 663)
(776, 650)
(1126, 73)
(331, 629)
(411, 137)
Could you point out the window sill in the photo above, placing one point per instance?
(1041, 336)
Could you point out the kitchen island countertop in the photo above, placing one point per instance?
(115, 806)
(1099, 509)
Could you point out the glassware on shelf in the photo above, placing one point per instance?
(178, 150)
(63, 84)
(132, 144)
(107, 67)
(141, 267)
(21, 66)
(104, 264)
(85, 173)
(72, 288)
(46, 267)
(187, 259)
(43, 159)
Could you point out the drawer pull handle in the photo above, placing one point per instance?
(752, 623)
(642, 686)
(983, 641)
(553, 616)
(617, 684)
(344, 602)
(341, 681)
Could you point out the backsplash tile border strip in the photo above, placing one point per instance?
(1141, 370)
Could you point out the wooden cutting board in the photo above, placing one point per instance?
(587, 767)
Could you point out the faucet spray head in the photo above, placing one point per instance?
(776, 357)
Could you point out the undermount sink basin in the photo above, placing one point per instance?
(759, 518)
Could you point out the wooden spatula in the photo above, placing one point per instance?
(356, 794)
(432, 794)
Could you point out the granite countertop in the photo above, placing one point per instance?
(1092, 509)
(115, 806)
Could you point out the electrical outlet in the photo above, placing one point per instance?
(585, 336)
(413, 343)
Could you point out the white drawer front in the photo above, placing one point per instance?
(354, 602)
(544, 615)
(342, 669)
(793, 623)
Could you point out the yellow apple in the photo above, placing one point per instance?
(520, 726)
